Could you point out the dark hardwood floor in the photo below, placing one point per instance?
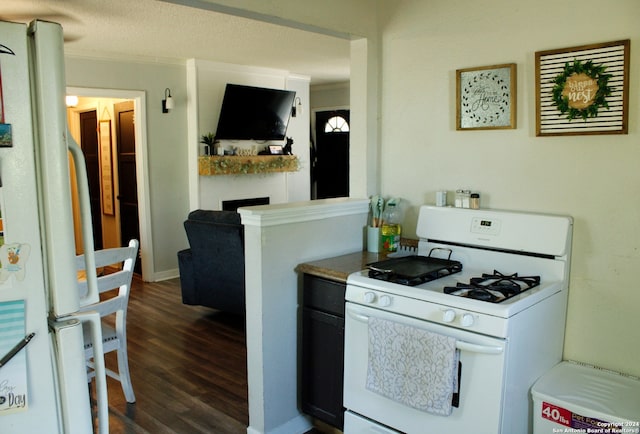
(187, 363)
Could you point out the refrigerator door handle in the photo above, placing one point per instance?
(92, 296)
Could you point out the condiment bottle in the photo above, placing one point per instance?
(458, 199)
(391, 229)
(474, 202)
(466, 197)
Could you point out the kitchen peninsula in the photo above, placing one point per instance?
(278, 238)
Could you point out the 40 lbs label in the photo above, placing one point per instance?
(577, 423)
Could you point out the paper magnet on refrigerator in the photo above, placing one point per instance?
(13, 258)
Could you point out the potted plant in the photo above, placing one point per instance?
(209, 141)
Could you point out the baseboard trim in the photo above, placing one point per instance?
(164, 275)
(297, 425)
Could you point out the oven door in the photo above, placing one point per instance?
(482, 386)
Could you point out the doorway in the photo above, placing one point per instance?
(330, 174)
(125, 110)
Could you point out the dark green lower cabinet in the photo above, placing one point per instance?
(323, 349)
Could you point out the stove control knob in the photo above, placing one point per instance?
(369, 297)
(467, 320)
(449, 315)
(385, 301)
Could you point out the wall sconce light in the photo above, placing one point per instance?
(71, 100)
(297, 107)
(167, 102)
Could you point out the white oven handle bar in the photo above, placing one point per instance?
(461, 345)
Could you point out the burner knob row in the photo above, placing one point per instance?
(449, 315)
(384, 300)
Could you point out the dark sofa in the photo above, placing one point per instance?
(212, 269)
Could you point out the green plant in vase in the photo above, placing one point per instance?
(209, 141)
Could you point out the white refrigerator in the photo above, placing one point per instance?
(43, 383)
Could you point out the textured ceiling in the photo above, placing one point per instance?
(161, 31)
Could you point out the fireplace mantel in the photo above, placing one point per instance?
(243, 165)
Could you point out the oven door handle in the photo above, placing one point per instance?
(359, 317)
(475, 348)
(461, 345)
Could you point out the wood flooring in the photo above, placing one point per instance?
(187, 363)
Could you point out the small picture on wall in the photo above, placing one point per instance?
(486, 97)
(583, 90)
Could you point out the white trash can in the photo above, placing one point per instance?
(572, 398)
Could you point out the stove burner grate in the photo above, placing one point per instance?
(494, 288)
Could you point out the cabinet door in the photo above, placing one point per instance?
(323, 294)
(322, 366)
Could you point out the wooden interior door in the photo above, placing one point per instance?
(90, 149)
(127, 181)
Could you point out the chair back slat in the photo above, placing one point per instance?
(120, 279)
(110, 306)
(113, 256)
(109, 281)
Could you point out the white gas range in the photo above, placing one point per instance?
(506, 324)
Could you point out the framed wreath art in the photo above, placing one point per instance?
(582, 90)
(486, 97)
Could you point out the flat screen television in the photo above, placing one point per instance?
(254, 113)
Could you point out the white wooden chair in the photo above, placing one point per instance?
(114, 339)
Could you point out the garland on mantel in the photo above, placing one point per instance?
(230, 165)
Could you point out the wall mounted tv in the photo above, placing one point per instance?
(254, 113)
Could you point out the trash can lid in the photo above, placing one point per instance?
(584, 388)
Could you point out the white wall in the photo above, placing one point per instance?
(592, 178)
(166, 144)
(299, 183)
(330, 95)
(207, 82)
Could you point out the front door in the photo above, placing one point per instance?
(127, 181)
(331, 172)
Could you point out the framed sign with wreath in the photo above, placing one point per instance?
(583, 90)
(486, 97)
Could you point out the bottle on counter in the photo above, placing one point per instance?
(466, 199)
(391, 229)
(474, 202)
(458, 199)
